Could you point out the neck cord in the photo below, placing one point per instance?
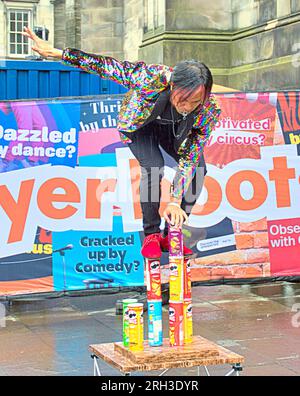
(177, 136)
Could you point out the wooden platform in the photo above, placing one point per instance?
(200, 348)
(201, 352)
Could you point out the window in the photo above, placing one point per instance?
(17, 43)
(154, 14)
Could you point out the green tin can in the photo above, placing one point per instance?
(126, 302)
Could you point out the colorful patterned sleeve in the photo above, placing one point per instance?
(124, 73)
(191, 152)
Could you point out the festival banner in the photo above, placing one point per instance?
(70, 212)
(32, 134)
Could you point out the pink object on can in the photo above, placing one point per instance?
(175, 242)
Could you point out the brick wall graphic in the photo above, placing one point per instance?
(251, 259)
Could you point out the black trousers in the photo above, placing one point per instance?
(145, 146)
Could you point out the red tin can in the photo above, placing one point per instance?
(176, 330)
(153, 279)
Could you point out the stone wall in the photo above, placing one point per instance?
(262, 57)
(197, 15)
(44, 17)
(95, 26)
(249, 44)
(247, 13)
(192, 29)
(133, 29)
(60, 38)
(73, 23)
(102, 27)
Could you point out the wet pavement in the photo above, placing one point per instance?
(51, 337)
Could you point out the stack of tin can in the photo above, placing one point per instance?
(154, 301)
(180, 303)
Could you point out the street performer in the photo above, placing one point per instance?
(166, 107)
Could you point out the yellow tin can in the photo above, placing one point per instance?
(188, 321)
(176, 279)
(136, 326)
(187, 295)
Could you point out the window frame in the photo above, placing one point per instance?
(24, 10)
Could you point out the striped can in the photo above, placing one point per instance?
(188, 321)
(125, 303)
(176, 330)
(136, 326)
(176, 279)
(187, 294)
(153, 279)
(155, 334)
(175, 241)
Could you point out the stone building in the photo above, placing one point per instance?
(248, 44)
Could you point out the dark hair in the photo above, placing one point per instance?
(189, 75)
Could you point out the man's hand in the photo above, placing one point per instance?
(41, 46)
(174, 215)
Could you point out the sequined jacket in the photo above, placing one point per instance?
(145, 83)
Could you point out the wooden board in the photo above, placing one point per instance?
(107, 353)
(199, 348)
